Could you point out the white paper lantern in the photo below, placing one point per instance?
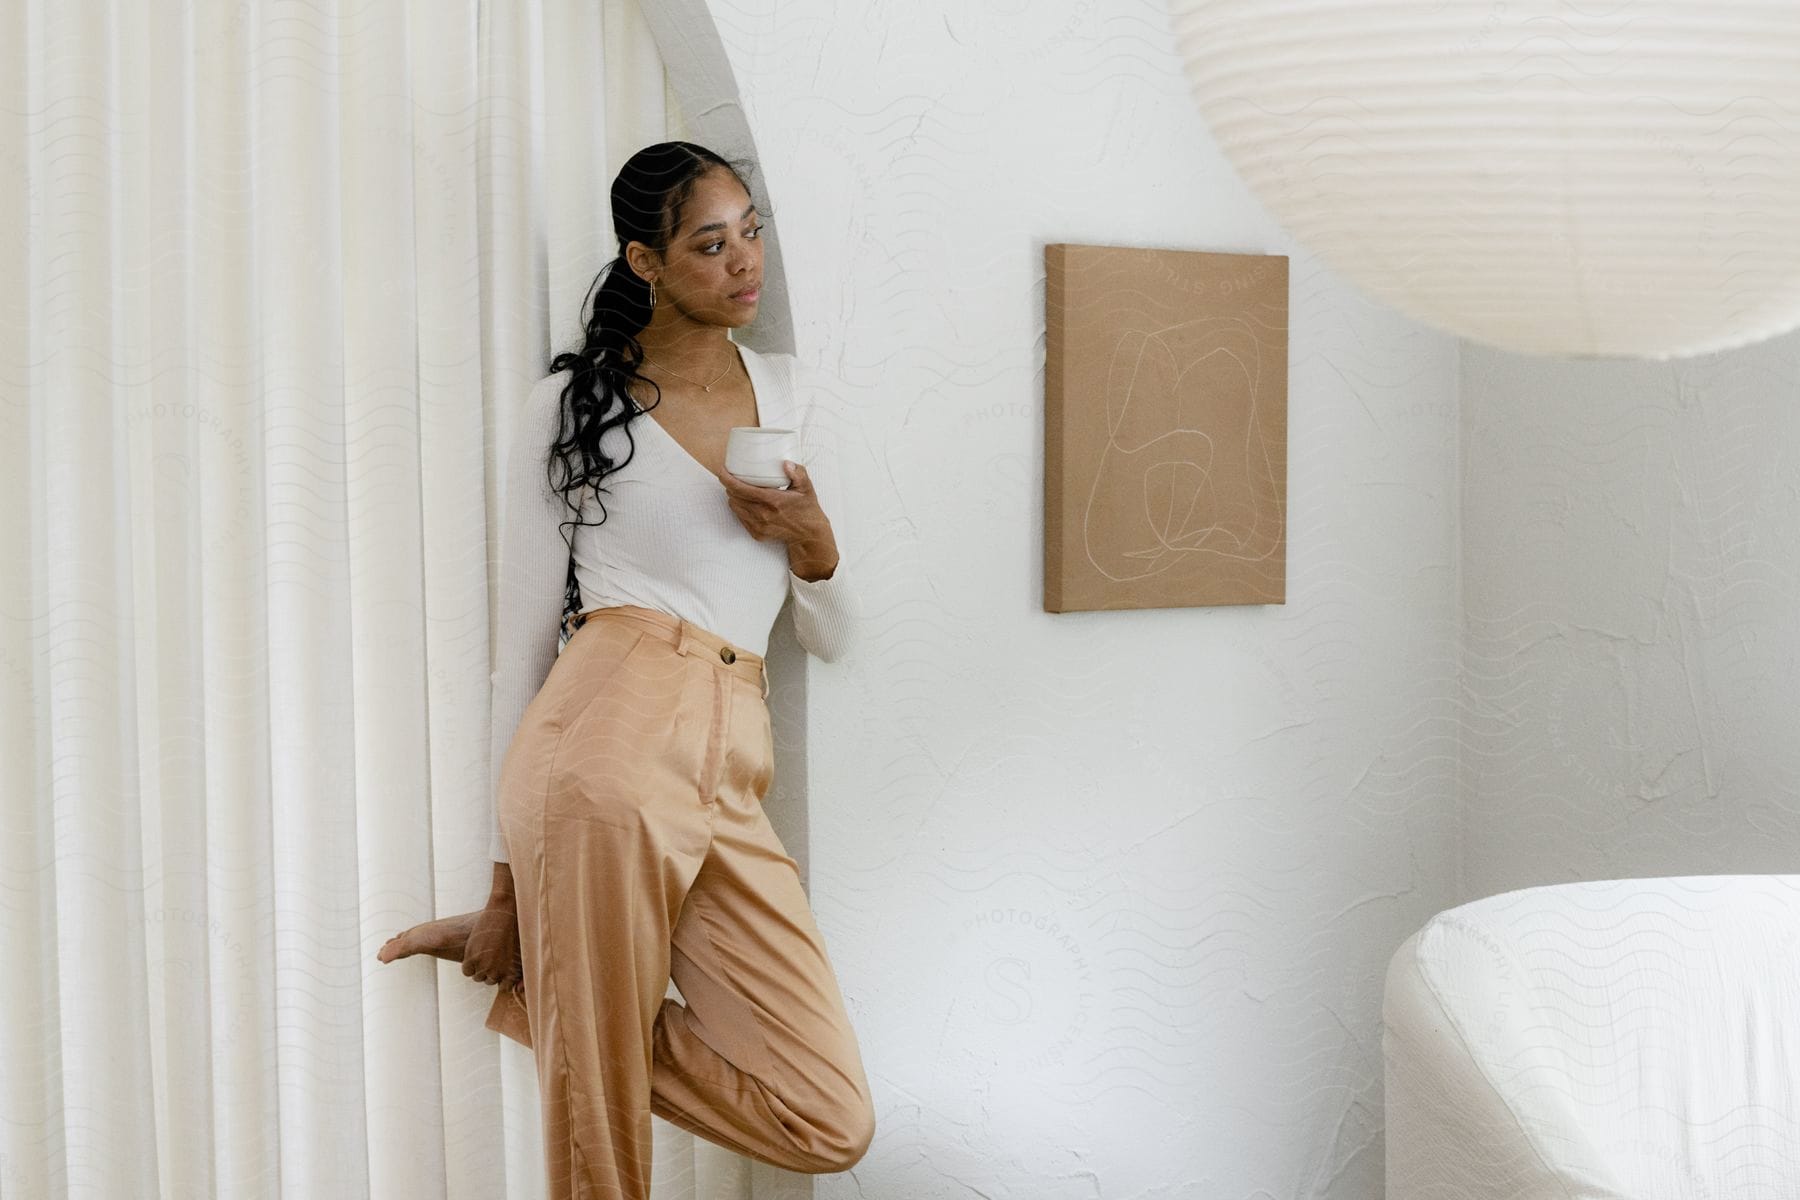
(1582, 179)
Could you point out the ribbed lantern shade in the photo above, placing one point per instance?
(1581, 179)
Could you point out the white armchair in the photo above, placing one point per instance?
(1634, 1039)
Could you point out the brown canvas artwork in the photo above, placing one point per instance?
(1165, 428)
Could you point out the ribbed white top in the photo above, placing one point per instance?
(669, 542)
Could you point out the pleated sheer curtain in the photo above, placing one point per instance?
(273, 272)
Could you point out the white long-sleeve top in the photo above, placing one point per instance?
(669, 542)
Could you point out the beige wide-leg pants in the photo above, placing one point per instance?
(631, 804)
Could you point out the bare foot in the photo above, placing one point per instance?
(440, 939)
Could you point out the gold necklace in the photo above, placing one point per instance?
(705, 387)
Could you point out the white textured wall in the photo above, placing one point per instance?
(1111, 895)
(1632, 574)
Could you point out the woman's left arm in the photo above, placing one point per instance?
(826, 610)
(825, 602)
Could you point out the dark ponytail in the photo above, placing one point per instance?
(648, 196)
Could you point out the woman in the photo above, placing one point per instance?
(629, 841)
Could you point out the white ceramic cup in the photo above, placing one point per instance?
(754, 453)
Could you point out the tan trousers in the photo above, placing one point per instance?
(631, 804)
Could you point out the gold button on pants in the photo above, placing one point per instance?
(631, 803)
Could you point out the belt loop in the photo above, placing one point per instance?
(765, 675)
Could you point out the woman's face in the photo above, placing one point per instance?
(715, 256)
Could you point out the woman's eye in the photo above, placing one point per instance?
(751, 233)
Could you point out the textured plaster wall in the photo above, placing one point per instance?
(1631, 573)
(1111, 894)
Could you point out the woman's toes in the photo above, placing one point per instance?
(395, 947)
(444, 938)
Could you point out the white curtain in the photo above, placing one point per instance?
(274, 269)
